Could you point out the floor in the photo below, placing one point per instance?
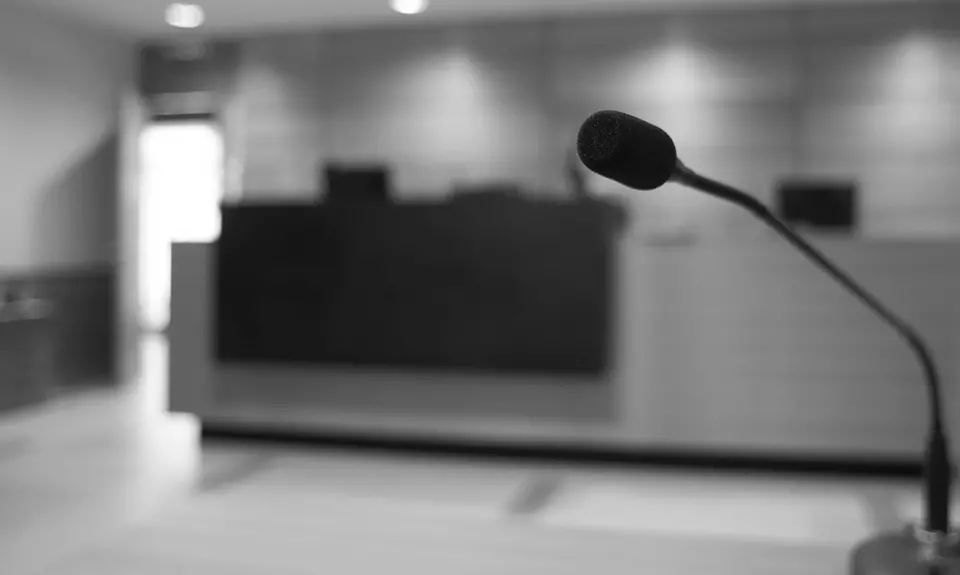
(107, 483)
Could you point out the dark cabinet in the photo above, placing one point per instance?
(26, 359)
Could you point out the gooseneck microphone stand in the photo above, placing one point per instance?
(921, 549)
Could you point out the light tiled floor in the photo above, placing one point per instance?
(762, 515)
(105, 483)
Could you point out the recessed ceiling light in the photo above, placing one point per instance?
(408, 7)
(185, 15)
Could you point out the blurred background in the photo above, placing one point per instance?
(283, 279)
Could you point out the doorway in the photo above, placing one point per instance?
(181, 185)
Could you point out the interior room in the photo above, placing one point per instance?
(281, 281)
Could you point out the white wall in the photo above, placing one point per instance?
(59, 103)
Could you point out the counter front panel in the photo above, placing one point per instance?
(504, 286)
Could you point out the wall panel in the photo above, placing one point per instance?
(750, 95)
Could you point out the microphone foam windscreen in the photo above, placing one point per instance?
(627, 150)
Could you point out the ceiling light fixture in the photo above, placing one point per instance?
(185, 15)
(408, 7)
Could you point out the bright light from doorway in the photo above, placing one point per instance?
(408, 7)
(181, 185)
(185, 15)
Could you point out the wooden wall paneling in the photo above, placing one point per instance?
(383, 94)
(744, 26)
(505, 103)
(723, 89)
(865, 24)
(187, 67)
(284, 100)
(749, 95)
(514, 70)
(468, 100)
(876, 108)
(712, 58)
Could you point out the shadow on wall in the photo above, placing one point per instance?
(75, 239)
(75, 222)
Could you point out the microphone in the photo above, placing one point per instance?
(641, 156)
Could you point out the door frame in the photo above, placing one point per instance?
(136, 114)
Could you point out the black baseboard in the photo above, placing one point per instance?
(676, 459)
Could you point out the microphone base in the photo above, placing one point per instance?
(908, 552)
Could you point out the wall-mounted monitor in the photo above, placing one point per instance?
(821, 203)
(356, 182)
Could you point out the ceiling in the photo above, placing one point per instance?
(144, 18)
